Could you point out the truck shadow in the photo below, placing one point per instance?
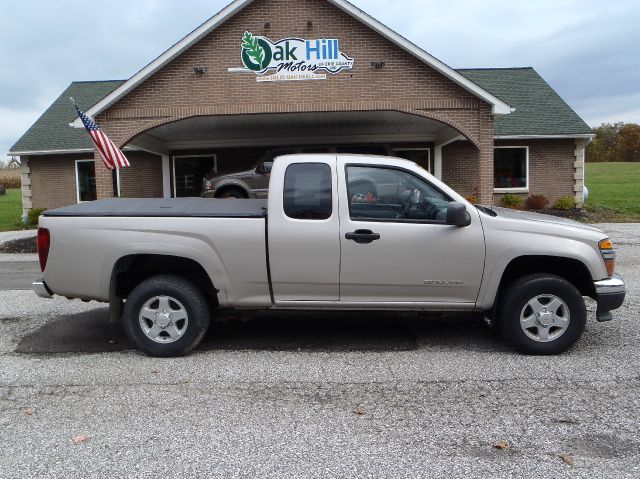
(92, 332)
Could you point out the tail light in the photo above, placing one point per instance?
(609, 255)
(43, 242)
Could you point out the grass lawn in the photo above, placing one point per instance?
(614, 191)
(10, 210)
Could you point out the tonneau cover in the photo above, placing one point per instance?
(165, 207)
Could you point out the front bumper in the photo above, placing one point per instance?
(42, 290)
(610, 295)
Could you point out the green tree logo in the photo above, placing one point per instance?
(256, 52)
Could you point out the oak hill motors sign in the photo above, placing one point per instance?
(292, 59)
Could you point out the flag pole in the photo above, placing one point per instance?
(115, 173)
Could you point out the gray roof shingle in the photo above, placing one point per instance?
(539, 109)
(52, 131)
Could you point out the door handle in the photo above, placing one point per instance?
(362, 236)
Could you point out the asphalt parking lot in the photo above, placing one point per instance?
(314, 395)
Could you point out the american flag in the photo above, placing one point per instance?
(111, 155)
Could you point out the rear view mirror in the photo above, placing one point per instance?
(457, 215)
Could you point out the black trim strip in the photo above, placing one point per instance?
(266, 242)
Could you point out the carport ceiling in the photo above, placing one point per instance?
(297, 128)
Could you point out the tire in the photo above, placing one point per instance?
(231, 194)
(150, 312)
(553, 308)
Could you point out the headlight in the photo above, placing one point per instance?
(608, 254)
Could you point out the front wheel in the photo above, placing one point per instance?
(542, 314)
(166, 316)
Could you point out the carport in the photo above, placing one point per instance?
(226, 143)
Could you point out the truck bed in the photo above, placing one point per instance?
(165, 208)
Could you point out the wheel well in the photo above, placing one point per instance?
(224, 189)
(130, 271)
(570, 269)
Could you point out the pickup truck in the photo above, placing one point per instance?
(338, 232)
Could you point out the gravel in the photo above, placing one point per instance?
(274, 395)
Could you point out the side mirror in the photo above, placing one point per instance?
(260, 169)
(457, 215)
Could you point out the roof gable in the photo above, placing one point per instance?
(498, 106)
(51, 131)
(539, 110)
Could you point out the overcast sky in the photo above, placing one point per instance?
(586, 49)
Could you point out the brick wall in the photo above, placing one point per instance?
(144, 178)
(53, 180)
(460, 166)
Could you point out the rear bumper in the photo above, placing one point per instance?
(42, 290)
(610, 295)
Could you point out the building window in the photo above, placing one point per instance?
(190, 171)
(86, 180)
(420, 156)
(307, 191)
(511, 168)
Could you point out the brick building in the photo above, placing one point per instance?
(265, 76)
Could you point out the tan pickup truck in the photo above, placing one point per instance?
(338, 232)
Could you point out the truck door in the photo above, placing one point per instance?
(395, 244)
(303, 229)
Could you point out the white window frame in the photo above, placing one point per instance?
(427, 149)
(524, 189)
(78, 178)
(177, 157)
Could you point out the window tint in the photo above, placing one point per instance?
(391, 194)
(307, 191)
(510, 168)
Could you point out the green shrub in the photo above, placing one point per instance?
(565, 203)
(512, 201)
(536, 202)
(34, 214)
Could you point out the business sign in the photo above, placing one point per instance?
(292, 59)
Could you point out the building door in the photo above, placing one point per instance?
(189, 172)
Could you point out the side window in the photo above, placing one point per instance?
(307, 191)
(386, 194)
(267, 167)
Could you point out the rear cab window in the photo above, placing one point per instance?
(308, 191)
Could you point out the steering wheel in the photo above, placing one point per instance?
(407, 206)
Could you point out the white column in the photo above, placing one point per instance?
(578, 168)
(166, 177)
(437, 161)
(441, 142)
(25, 182)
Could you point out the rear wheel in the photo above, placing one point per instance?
(166, 316)
(232, 193)
(541, 314)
